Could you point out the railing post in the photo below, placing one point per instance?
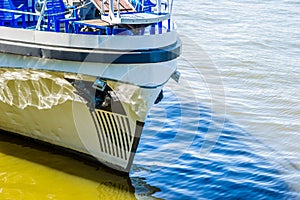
(118, 12)
(111, 9)
(159, 6)
(170, 7)
(102, 7)
(143, 3)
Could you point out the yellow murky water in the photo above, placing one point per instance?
(33, 171)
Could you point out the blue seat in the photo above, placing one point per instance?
(142, 5)
(27, 7)
(10, 18)
(120, 31)
(148, 5)
(56, 12)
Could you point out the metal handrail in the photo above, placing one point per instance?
(19, 12)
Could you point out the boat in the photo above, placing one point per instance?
(83, 75)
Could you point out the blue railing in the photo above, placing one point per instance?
(10, 18)
(55, 13)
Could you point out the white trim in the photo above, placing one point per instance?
(116, 42)
(144, 75)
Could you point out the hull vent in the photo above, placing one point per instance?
(115, 134)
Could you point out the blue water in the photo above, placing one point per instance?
(239, 140)
(232, 170)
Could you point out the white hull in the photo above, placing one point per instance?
(44, 106)
(87, 93)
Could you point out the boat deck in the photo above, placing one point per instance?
(123, 19)
(125, 6)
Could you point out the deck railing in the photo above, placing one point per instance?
(135, 19)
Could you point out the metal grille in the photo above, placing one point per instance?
(115, 134)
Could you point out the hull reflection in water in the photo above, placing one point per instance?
(30, 170)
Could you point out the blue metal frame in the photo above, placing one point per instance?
(142, 5)
(27, 7)
(10, 16)
(55, 12)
